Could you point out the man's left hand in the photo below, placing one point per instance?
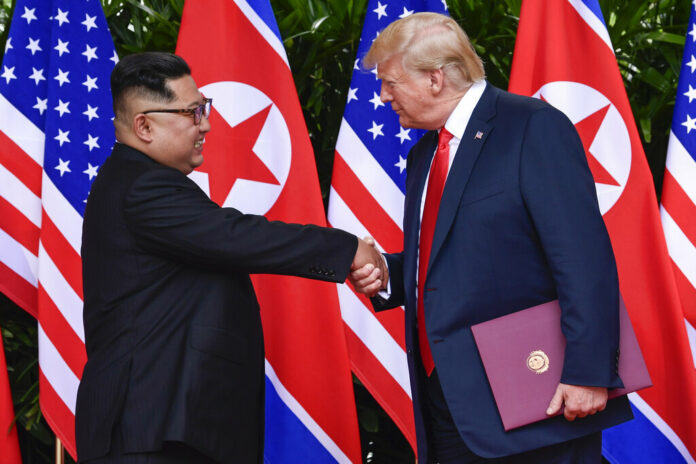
(579, 401)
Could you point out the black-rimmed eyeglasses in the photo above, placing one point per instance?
(201, 110)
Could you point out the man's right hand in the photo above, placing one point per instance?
(578, 401)
(369, 270)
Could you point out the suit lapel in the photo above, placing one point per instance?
(414, 188)
(475, 135)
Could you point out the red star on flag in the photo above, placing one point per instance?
(232, 156)
(587, 128)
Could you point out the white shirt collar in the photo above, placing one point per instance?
(458, 120)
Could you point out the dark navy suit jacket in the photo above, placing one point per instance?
(518, 225)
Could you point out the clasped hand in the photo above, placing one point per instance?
(369, 272)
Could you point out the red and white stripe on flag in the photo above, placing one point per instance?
(563, 54)
(259, 159)
(55, 132)
(678, 208)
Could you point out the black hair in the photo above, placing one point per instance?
(146, 74)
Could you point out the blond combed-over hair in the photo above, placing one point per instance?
(427, 42)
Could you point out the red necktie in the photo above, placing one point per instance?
(436, 184)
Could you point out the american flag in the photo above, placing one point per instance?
(678, 209)
(367, 198)
(55, 131)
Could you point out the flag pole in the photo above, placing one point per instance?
(60, 458)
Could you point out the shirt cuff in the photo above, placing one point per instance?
(386, 293)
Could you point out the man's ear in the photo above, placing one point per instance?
(437, 81)
(142, 127)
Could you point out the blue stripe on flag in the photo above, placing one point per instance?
(594, 6)
(288, 441)
(638, 442)
(265, 11)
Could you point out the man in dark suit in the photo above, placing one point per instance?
(500, 214)
(175, 369)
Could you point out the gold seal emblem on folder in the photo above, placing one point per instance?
(538, 362)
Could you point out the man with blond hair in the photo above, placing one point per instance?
(500, 214)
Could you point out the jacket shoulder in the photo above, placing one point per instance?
(523, 107)
(120, 169)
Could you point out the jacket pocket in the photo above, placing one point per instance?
(482, 194)
(219, 342)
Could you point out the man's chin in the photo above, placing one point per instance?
(197, 161)
(407, 123)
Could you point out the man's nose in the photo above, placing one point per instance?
(384, 95)
(204, 126)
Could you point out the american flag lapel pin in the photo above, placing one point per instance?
(478, 135)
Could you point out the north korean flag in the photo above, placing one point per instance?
(259, 159)
(564, 55)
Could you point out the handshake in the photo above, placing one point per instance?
(369, 273)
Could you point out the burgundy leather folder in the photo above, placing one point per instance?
(523, 352)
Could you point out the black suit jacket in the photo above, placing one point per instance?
(172, 326)
(518, 225)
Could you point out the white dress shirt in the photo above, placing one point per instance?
(456, 125)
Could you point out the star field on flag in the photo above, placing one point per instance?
(60, 82)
